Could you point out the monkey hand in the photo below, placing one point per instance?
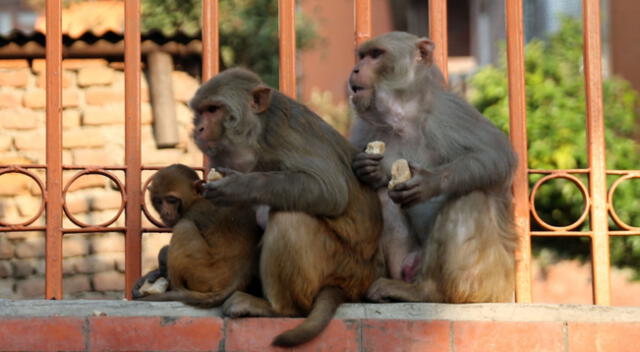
(230, 189)
(423, 186)
(150, 277)
(368, 169)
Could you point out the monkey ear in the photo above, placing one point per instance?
(261, 98)
(425, 51)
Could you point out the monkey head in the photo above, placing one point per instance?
(390, 64)
(172, 192)
(226, 124)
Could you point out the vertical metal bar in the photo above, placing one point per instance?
(596, 143)
(362, 13)
(133, 245)
(210, 39)
(287, 35)
(53, 276)
(438, 33)
(210, 47)
(518, 134)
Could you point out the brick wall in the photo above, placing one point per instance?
(93, 117)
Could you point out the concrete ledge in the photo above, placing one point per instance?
(77, 325)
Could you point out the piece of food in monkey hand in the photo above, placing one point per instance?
(213, 175)
(375, 147)
(400, 172)
(159, 286)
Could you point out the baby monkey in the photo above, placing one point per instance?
(213, 249)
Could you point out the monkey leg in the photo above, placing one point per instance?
(470, 253)
(396, 241)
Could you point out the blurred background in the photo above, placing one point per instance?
(93, 100)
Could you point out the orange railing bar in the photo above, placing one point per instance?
(438, 33)
(210, 47)
(133, 236)
(210, 39)
(518, 134)
(596, 155)
(362, 14)
(287, 37)
(53, 196)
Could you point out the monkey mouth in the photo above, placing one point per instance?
(356, 89)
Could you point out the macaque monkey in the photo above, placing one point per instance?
(449, 232)
(213, 250)
(322, 232)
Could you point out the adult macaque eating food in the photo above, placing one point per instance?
(448, 234)
(321, 237)
(213, 250)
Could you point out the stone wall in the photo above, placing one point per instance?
(93, 134)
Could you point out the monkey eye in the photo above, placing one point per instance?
(211, 108)
(376, 53)
(172, 200)
(360, 56)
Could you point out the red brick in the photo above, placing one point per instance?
(604, 337)
(154, 334)
(256, 334)
(14, 63)
(76, 64)
(10, 99)
(13, 183)
(30, 288)
(42, 334)
(31, 141)
(77, 138)
(99, 75)
(495, 336)
(17, 77)
(35, 99)
(76, 283)
(6, 248)
(19, 119)
(104, 115)
(405, 335)
(102, 95)
(68, 79)
(108, 281)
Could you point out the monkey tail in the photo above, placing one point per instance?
(324, 308)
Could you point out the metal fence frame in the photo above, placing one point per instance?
(598, 197)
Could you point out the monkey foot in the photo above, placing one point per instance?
(379, 290)
(242, 304)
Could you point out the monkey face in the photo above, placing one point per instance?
(208, 127)
(169, 207)
(364, 76)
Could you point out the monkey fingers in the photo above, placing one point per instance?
(367, 169)
(225, 191)
(407, 193)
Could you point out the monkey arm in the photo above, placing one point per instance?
(309, 192)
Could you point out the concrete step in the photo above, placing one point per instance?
(85, 325)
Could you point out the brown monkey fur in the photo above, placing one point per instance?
(322, 233)
(213, 250)
(449, 233)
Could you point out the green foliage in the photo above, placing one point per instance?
(556, 127)
(248, 30)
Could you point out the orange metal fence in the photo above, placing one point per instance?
(598, 197)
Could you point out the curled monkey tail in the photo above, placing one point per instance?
(326, 303)
(192, 298)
